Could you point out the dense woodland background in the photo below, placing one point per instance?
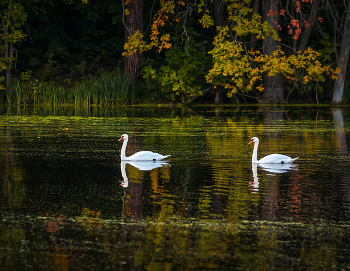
(141, 51)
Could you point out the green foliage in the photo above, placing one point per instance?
(70, 41)
(81, 67)
(12, 18)
(25, 76)
(182, 75)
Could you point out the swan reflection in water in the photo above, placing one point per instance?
(278, 168)
(133, 203)
(140, 165)
(272, 168)
(254, 185)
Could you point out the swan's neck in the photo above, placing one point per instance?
(255, 153)
(122, 153)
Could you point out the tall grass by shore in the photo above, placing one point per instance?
(107, 89)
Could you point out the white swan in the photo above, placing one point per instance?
(139, 156)
(269, 159)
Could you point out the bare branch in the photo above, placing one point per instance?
(123, 5)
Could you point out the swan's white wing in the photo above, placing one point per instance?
(276, 159)
(146, 156)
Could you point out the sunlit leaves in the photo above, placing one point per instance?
(159, 20)
(164, 42)
(238, 71)
(206, 21)
(135, 43)
(235, 66)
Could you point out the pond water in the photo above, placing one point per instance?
(68, 203)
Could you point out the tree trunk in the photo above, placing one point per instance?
(8, 49)
(219, 15)
(343, 59)
(8, 71)
(256, 4)
(273, 85)
(218, 97)
(219, 18)
(311, 19)
(133, 22)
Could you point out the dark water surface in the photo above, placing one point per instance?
(68, 203)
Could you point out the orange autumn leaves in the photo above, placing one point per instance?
(136, 41)
(235, 67)
(297, 31)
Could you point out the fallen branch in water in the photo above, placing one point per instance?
(195, 97)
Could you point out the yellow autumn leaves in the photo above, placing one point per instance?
(236, 67)
(239, 70)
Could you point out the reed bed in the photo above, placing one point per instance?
(107, 89)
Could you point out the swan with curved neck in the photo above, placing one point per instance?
(139, 156)
(269, 159)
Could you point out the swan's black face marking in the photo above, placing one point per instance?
(154, 159)
(253, 140)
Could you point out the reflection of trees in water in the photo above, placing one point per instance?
(211, 244)
(13, 175)
(272, 119)
(299, 197)
(173, 239)
(133, 200)
(273, 128)
(272, 115)
(342, 175)
(339, 130)
(133, 178)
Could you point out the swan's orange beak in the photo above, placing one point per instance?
(251, 141)
(121, 138)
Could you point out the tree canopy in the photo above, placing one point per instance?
(244, 51)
